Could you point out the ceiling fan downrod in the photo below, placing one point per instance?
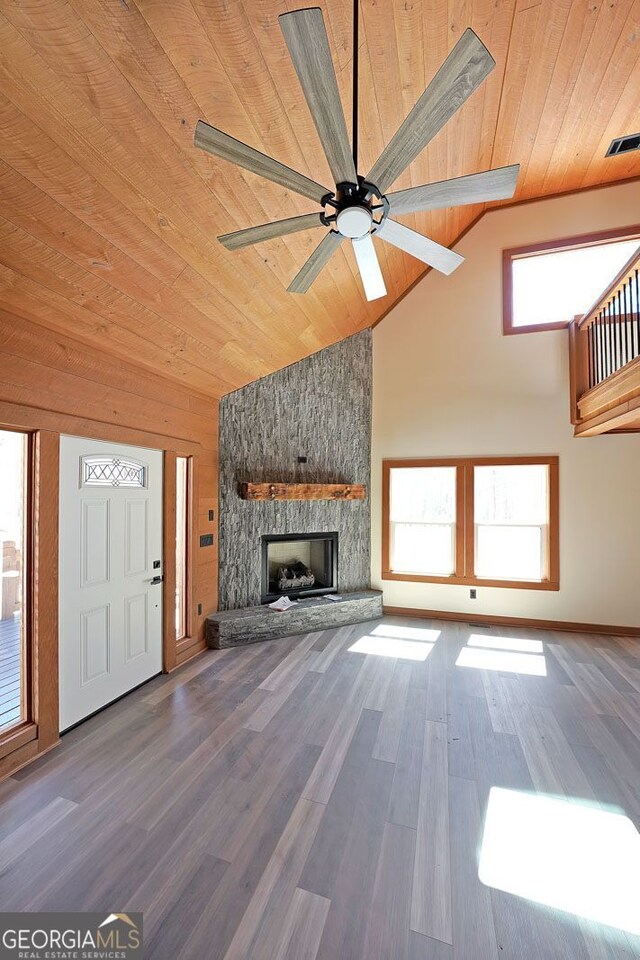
(354, 123)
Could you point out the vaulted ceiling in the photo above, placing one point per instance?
(109, 215)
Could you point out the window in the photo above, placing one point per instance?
(546, 285)
(182, 519)
(13, 509)
(511, 519)
(472, 521)
(423, 520)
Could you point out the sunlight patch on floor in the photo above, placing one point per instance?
(502, 660)
(406, 633)
(516, 644)
(504, 654)
(393, 647)
(563, 853)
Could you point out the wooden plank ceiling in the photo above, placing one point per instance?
(108, 214)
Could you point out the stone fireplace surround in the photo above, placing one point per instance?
(318, 411)
(233, 628)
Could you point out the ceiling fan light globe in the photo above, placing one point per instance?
(354, 222)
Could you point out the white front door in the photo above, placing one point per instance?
(110, 573)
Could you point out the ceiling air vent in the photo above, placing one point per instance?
(623, 145)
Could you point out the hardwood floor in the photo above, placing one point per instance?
(9, 672)
(304, 800)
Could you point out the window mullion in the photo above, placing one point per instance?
(467, 535)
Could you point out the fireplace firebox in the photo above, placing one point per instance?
(299, 565)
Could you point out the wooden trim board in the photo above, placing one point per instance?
(620, 386)
(24, 417)
(464, 572)
(624, 417)
(471, 618)
(17, 737)
(168, 569)
(44, 587)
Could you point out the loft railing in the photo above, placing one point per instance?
(613, 325)
(605, 350)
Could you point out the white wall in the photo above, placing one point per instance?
(448, 383)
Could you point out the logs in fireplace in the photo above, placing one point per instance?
(297, 576)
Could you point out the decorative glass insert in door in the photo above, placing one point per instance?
(112, 472)
(13, 499)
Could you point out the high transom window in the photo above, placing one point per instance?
(546, 285)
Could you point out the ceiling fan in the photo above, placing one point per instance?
(360, 206)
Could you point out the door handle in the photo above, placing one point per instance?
(155, 580)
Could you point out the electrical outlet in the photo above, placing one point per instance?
(473, 593)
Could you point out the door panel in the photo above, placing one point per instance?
(94, 541)
(110, 536)
(95, 644)
(135, 537)
(135, 626)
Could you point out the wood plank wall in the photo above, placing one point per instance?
(50, 384)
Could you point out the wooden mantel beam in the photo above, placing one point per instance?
(303, 491)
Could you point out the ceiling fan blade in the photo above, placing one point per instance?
(369, 267)
(320, 256)
(497, 184)
(468, 64)
(222, 145)
(306, 37)
(267, 231)
(430, 252)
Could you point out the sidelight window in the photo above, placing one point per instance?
(13, 512)
(182, 517)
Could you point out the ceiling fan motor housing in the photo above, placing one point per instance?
(354, 203)
(354, 220)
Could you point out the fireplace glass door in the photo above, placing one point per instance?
(299, 565)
